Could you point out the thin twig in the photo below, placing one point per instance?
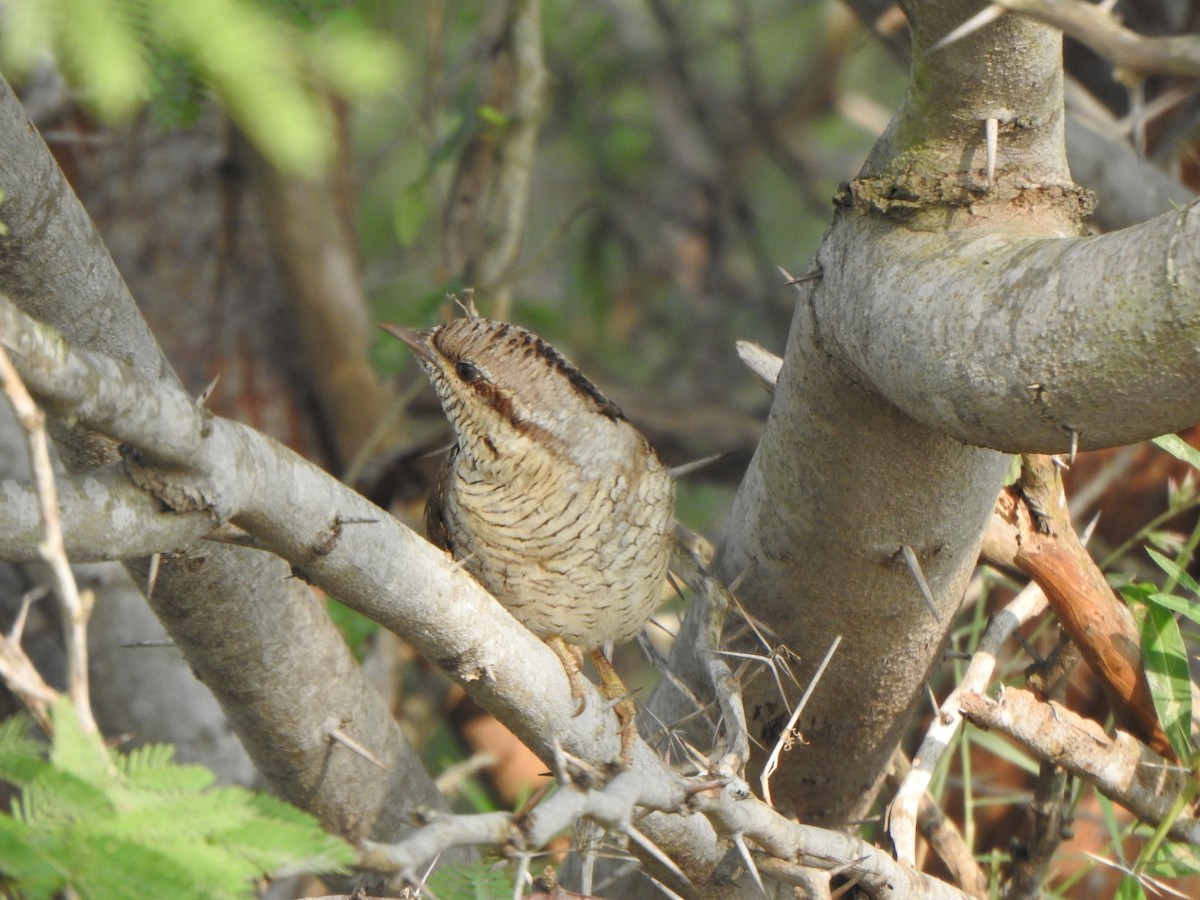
(903, 811)
(76, 605)
(772, 762)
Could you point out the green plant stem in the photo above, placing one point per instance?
(1142, 532)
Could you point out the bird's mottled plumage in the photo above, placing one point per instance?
(551, 499)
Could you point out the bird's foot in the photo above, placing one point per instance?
(613, 690)
(572, 664)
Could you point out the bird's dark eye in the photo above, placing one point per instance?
(467, 371)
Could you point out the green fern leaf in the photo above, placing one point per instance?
(75, 751)
(108, 825)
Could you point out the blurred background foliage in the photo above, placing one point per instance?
(684, 154)
(263, 59)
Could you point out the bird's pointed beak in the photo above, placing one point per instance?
(417, 340)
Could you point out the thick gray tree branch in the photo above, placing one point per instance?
(105, 517)
(1128, 190)
(198, 464)
(1035, 338)
(1103, 32)
(53, 261)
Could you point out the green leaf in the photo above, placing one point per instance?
(1167, 671)
(1114, 828)
(1138, 592)
(75, 751)
(1003, 749)
(1129, 889)
(26, 863)
(490, 115)
(1175, 571)
(272, 72)
(481, 880)
(28, 30)
(105, 55)
(250, 59)
(356, 61)
(21, 760)
(1174, 860)
(103, 866)
(1181, 605)
(152, 768)
(107, 825)
(57, 795)
(410, 212)
(1179, 448)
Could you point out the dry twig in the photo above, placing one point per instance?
(1120, 767)
(76, 604)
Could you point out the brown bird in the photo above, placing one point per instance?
(550, 499)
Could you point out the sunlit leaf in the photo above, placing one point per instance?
(1179, 448)
(273, 72)
(105, 55)
(356, 61)
(1182, 605)
(1129, 889)
(1175, 571)
(1167, 671)
(1174, 860)
(247, 56)
(493, 116)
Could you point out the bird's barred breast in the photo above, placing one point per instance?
(587, 563)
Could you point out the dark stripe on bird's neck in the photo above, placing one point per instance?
(489, 395)
(535, 346)
(578, 381)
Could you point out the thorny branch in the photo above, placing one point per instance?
(942, 834)
(1120, 767)
(726, 803)
(1031, 531)
(715, 599)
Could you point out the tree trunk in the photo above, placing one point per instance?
(952, 316)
